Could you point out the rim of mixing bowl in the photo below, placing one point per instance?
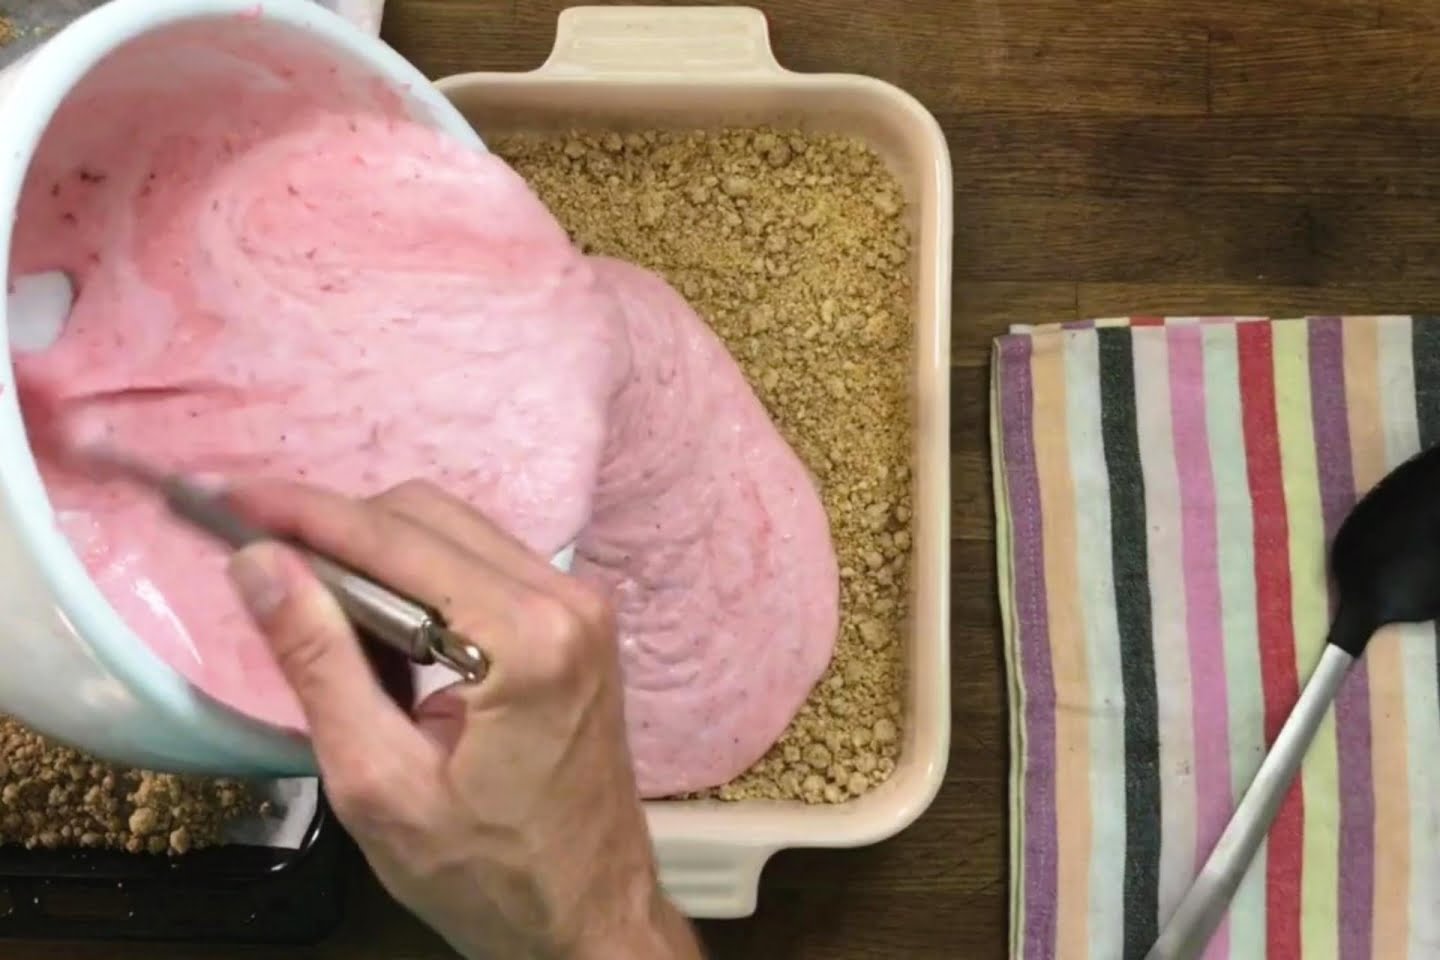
(50, 74)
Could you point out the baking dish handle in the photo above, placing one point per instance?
(711, 881)
(661, 41)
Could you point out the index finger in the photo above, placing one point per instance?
(453, 518)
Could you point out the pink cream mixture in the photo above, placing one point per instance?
(276, 287)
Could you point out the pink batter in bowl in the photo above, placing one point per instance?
(76, 670)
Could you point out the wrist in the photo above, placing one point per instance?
(642, 925)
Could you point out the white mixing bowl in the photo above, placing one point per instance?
(72, 668)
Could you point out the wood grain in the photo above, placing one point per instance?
(1111, 157)
(1194, 237)
(1228, 300)
(981, 54)
(985, 307)
(1246, 14)
(1407, 13)
(1313, 70)
(1091, 154)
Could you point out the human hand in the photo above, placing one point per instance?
(503, 814)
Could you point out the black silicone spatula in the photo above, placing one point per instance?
(1386, 567)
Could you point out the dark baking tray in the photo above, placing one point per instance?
(230, 894)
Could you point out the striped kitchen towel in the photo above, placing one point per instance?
(1166, 491)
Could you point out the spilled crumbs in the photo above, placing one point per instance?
(53, 797)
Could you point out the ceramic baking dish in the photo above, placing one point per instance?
(630, 68)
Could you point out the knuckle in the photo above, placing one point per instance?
(356, 534)
(560, 637)
(594, 611)
(363, 791)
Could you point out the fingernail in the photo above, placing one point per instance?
(258, 580)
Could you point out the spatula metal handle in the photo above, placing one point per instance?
(1189, 929)
(375, 610)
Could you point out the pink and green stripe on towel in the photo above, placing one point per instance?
(1166, 491)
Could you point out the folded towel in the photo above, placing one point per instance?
(1166, 491)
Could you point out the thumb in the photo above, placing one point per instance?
(353, 723)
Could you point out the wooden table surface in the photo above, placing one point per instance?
(1111, 156)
